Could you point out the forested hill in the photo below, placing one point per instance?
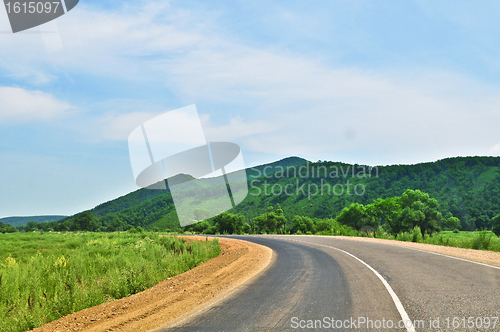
(19, 221)
(466, 187)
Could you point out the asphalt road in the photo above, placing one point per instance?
(328, 283)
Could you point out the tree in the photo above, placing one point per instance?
(357, 215)
(273, 221)
(483, 221)
(201, 226)
(416, 209)
(85, 222)
(279, 219)
(116, 225)
(385, 210)
(496, 225)
(324, 225)
(31, 226)
(303, 224)
(229, 223)
(453, 223)
(7, 228)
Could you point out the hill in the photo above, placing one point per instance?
(20, 221)
(466, 187)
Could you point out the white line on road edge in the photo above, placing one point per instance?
(439, 254)
(426, 251)
(397, 302)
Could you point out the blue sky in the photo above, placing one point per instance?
(369, 82)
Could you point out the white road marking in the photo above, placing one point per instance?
(439, 254)
(397, 302)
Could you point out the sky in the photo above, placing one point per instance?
(367, 82)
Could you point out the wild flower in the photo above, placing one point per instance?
(91, 242)
(9, 262)
(37, 255)
(61, 262)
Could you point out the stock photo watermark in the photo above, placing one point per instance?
(27, 14)
(201, 175)
(454, 323)
(300, 185)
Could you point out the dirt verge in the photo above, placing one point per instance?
(481, 256)
(175, 297)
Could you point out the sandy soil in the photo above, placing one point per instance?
(481, 256)
(175, 297)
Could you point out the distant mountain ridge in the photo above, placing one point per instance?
(20, 221)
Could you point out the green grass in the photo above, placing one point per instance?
(481, 240)
(44, 277)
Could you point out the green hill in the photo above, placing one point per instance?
(466, 187)
(19, 221)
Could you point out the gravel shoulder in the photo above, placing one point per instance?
(481, 256)
(175, 297)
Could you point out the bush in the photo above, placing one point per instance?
(381, 233)
(481, 240)
(138, 229)
(404, 237)
(496, 225)
(416, 234)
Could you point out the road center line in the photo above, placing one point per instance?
(397, 302)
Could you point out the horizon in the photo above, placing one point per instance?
(247, 168)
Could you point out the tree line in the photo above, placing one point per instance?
(394, 215)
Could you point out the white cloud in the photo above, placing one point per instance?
(235, 129)
(289, 102)
(20, 105)
(96, 42)
(119, 126)
(495, 150)
(325, 111)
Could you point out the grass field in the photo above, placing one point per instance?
(481, 240)
(46, 276)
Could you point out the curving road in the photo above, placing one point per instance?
(328, 283)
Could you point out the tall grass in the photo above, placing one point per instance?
(336, 228)
(481, 240)
(44, 277)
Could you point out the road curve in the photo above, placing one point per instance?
(316, 282)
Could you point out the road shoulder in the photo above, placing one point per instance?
(480, 256)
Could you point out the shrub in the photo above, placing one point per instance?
(416, 234)
(404, 236)
(481, 240)
(496, 225)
